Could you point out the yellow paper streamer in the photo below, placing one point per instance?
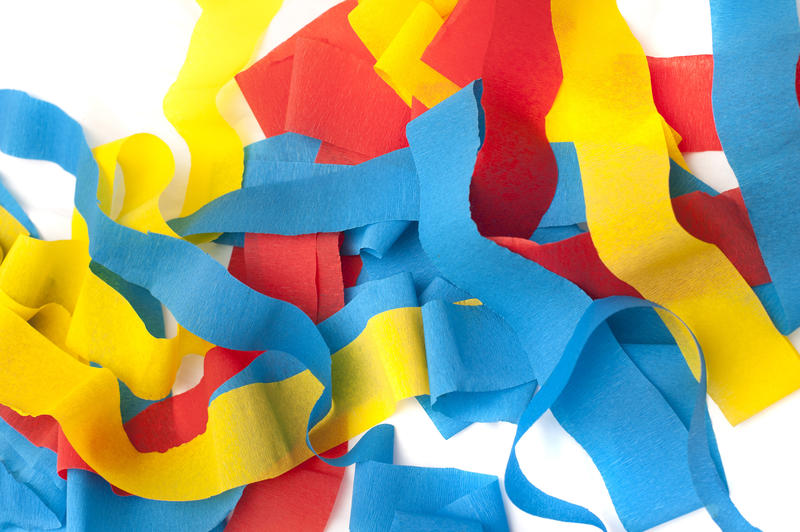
(147, 166)
(253, 432)
(605, 107)
(222, 42)
(94, 323)
(396, 33)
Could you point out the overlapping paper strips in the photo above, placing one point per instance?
(480, 204)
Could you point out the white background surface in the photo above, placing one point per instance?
(109, 64)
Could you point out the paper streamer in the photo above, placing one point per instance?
(322, 200)
(321, 83)
(222, 42)
(682, 94)
(758, 118)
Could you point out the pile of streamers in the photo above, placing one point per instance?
(480, 204)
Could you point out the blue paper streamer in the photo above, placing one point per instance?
(756, 45)
(301, 198)
(92, 505)
(543, 309)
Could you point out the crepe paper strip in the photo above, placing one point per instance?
(445, 142)
(35, 273)
(284, 267)
(22, 508)
(682, 94)
(758, 119)
(29, 472)
(259, 174)
(332, 75)
(304, 270)
(403, 492)
(222, 42)
(10, 205)
(400, 64)
(92, 506)
(484, 395)
(393, 497)
(397, 34)
(375, 238)
(147, 167)
(321, 201)
(330, 283)
(462, 384)
(146, 364)
(709, 485)
(321, 83)
(645, 245)
(664, 368)
(300, 499)
(410, 522)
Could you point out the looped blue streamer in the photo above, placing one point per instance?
(709, 484)
(542, 309)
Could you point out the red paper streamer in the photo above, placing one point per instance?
(682, 94)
